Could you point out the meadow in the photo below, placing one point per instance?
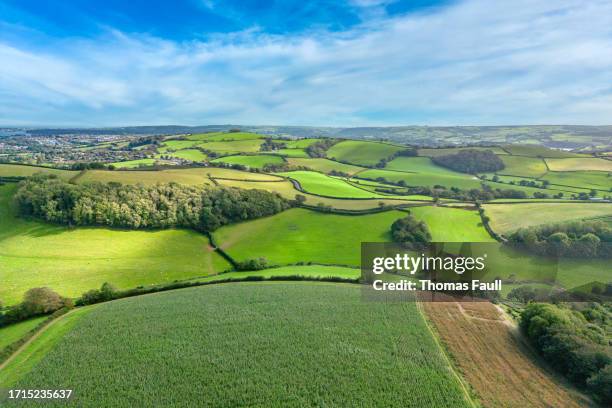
(12, 333)
(16, 170)
(594, 164)
(72, 261)
(325, 165)
(131, 164)
(224, 136)
(588, 179)
(254, 161)
(448, 180)
(189, 154)
(445, 151)
(272, 344)
(299, 153)
(523, 166)
(362, 153)
(452, 224)
(538, 151)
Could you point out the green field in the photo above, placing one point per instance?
(587, 179)
(290, 152)
(506, 218)
(310, 271)
(277, 344)
(362, 153)
(300, 143)
(257, 162)
(131, 164)
(176, 145)
(523, 166)
(320, 184)
(17, 170)
(224, 136)
(12, 333)
(72, 261)
(325, 165)
(594, 164)
(300, 235)
(447, 179)
(189, 154)
(233, 147)
(452, 224)
(538, 151)
(445, 151)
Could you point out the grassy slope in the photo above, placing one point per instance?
(508, 217)
(237, 146)
(325, 165)
(538, 151)
(580, 164)
(130, 164)
(280, 344)
(14, 332)
(361, 153)
(451, 179)
(224, 136)
(257, 162)
(26, 171)
(445, 151)
(452, 224)
(320, 271)
(71, 261)
(523, 166)
(289, 152)
(189, 154)
(587, 179)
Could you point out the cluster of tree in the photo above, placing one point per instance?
(155, 141)
(575, 342)
(90, 166)
(36, 302)
(252, 264)
(577, 239)
(471, 161)
(319, 149)
(409, 230)
(106, 292)
(270, 145)
(138, 206)
(401, 153)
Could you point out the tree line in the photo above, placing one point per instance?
(470, 161)
(576, 239)
(202, 208)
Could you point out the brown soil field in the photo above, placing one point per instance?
(490, 353)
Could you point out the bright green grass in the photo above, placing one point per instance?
(301, 235)
(193, 176)
(51, 335)
(452, 224)
(72, 261)
(320, 184)
(523, 166)
(232, 147)
(311, 271)
(362, 153)
(595, 164)
(448, 180)
(300, 143)
(506, 218)
(587, 179)
(224, 136)
(260, 344)
(325, 165)
(14, 332)
(17, 170)
(257, 162)
(189, 154)
(291, 152)
(130, 164)
(445, 151)
(538, 151)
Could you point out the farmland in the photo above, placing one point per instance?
(256, 162)
(523, 166)
(130, 164)
(72, 261)
(14, 170)
(325, 165)
(506, 218)
(538, 151)
(278, 344)
(581, 164)
(447, 179)
(189, 154)
(466, 225)
(361, 153)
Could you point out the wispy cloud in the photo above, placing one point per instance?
(475, 62)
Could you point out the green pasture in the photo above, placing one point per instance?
(74, 260)
(362, 153)
(232, 147)
(446, 179)
(17, 170)
(250, 344)
(325, 165)
(523, 166)
(538, 151)
(300, 143)
(453, 150)
(580, 164)
(253, 161)
(301, 153)
(600, 180)
(189, 154)
(448, 224)
(309, 271)
(224, 136)
(12, 333)
(131, 164)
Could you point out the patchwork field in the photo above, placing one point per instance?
(500, 368)
(278, 344)
(224, 136)
(362, 153)
(257, 162)
(538, 151)
(131, 164)
(189, 154)
(594, 164)
(71, 261)
(452, 224)
(442, 152)
(506, 218)
(232, 147)
(291, 153)
(523, 166)
(16, 170)
(448, 179)
(300, 235)
(325, 165)
(587, 179)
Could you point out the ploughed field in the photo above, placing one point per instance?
(260, 344)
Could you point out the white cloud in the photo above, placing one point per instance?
(476, 62)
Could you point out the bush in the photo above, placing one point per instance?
(410, 230)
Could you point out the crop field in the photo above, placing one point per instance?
(506, 218)
(594, 164)
(450, 179)
(317, 183)
(300, 235)
(71, 261)
(588, 179)
(538, 151)
(523, 166)
(445, 151)
(189, 154)
(452, 224)
(17, 170)
(500, 368)
(362, 153)
(224, 136)
(258, 161)
(325, 165)
(277, 344)
(286, 189)
(131, 164)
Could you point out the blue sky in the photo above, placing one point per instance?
(323, 62)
